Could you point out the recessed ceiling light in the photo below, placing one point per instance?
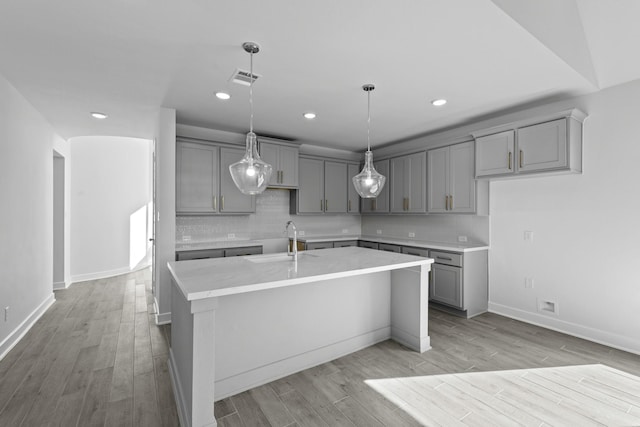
(223, 95)
(98, 115)
(438, 102)
(309, 115)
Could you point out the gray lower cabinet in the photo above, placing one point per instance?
(318, 245)
(217, 253)
(367, 244)
(459, 281)
(345, 243)
(409, 250)
(389, 248)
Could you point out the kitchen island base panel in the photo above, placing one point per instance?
(225, 345)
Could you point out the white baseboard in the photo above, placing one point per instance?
(58, 286)
(591, 334)
(265, 374)
(104, 274)
(19, 332)
(409, 340)
(161, 318)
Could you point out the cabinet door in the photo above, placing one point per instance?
(438, 180)
(462, 185)
(231, 199)
(495, 154)
(399, 175)
(196, 178)
(319, 245)
(270, 154)
(288, 167)
(311, 191)
(353, 198)
(381, 203)
(335, 187)
(416, 184)
(542, 146)
(446, 286)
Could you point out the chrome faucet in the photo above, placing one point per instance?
(294, 245)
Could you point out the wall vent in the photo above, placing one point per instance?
(243, 77)
(548, 307)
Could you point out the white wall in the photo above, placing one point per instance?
(26, 218)
(585, 249)
(109, 200)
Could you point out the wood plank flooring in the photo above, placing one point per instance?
(96, 358)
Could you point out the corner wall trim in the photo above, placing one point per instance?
(609, 339)
(178, 392)
(16, 335)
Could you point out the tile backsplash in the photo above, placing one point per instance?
(272, 212)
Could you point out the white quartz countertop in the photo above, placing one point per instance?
(445, 246)
(220, 244)
(207, 278)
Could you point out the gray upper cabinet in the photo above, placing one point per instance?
(335, 187)
(203, 181)
(381, 203)
(494, 154)
(451, 183)
(542, 146)
(310, 195)
(284, 159)
(196, 178)
(549, 144)
(353, 198)
(408, 183)
(231, 199)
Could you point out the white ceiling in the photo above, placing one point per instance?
(128, 58)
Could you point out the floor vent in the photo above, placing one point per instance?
(548, 307)
(243, 77)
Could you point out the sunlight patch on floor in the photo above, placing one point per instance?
(570, 395)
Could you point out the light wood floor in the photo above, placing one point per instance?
(97, 358)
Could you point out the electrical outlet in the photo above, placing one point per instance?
(345, 230)
(378, 231)
(462, 239)
(231, 236)
(412, 234)
(528, 282)
(186, 238)
(528, 236)
(6, 313)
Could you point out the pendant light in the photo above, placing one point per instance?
(251, 174)
(369, 182)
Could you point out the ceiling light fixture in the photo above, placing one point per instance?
(438, 102)
(369, 182)
(251, 174)
(98, 115)
(309, 116)
(223, 95)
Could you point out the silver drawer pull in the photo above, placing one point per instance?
(445, 258)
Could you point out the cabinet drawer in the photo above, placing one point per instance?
(389, 248)
(199, 254)
(447, 258)
(368, 245)
(415, 251)
(345, 243)
(249, 250)
(319, 245)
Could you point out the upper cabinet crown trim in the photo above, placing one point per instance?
(573, 113)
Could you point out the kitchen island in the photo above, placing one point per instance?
(241, 322)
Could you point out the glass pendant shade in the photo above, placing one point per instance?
(369, 182)
(251, 174)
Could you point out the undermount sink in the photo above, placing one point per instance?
(277, 257)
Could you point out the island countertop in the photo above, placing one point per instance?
(207, 278)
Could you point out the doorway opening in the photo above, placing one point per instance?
(58, 221)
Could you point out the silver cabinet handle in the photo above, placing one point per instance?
(326, 205)
(321, 205)
(444, 258)
(214, 203)
(281, 177)
(221, 203)
(349, 205)
(509, 160)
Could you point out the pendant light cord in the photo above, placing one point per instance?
(368, 120)
(251, 95)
